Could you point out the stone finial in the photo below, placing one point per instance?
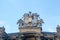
(58, 26)
(30, 12)
(58, 29)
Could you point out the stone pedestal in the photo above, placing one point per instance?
(30, 29)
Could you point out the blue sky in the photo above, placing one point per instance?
(12, 10)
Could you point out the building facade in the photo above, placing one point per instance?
(30, 28)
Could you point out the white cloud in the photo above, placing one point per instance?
(7, 28)
(6, 25)
(1, 22)
(50, 30)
